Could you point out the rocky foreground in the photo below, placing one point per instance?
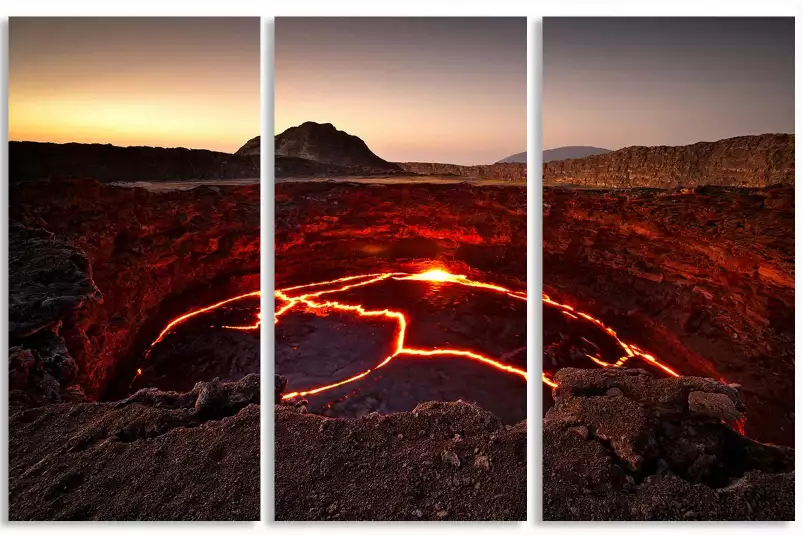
(153, 456)
(441, 461)
(621, 445)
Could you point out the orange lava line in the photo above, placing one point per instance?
(629, 349)
(246, 327)
(546, 379)
(434, 276)
(193, 313)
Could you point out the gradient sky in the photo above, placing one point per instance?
(617, 82)
(450, 90)
(169, 82)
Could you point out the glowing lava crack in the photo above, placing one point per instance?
(437, 276)
(294, 297)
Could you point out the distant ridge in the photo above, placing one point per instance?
(520, 157)
(565, 153)
(32, 161)
(745, 161)
(321, 150)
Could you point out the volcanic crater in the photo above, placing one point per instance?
(154, 257)
(390, 295)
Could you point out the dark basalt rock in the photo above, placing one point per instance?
(49, 282)
(642, 453)
(48, 279)
(154, 456)
(325, 144)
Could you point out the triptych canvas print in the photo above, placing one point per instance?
(659, 362)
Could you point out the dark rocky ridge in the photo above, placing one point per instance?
(703, 277)
(321, 150)
(751, 161)
(154, 456)
(621, 445)
(323, 143)
(292, 167)
(32, 161)
(151, 255)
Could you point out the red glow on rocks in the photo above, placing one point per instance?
(195, 312)
(631, 351)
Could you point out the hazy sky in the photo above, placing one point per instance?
(450, 90)
(167, 82)
(616, 82)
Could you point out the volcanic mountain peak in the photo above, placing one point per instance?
(324, 143)
(251, 148)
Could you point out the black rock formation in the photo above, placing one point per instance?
(323, 143)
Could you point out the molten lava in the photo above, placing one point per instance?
(310, 300)
(630, 350)
(196, 312)
(436, 276)
(301, 296)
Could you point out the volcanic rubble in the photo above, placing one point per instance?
(152, 456)
(441, 461)
(622, 445)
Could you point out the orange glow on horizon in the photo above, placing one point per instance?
(138, 81)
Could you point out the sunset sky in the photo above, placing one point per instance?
(451, 90)
(169, 82)
(617, 82)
